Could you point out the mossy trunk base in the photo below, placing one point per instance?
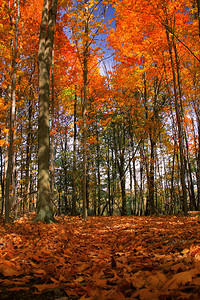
(45, 215)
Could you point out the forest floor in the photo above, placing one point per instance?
(101, 258)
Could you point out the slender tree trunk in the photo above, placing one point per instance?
(179, 114)
(119, 142)
(47, 29)
(2, 181)
(74, 195)
(123, 190)
(136, 210)
(109, 180)
(113, 181)
(180, 130)
(137, 204)
(52, 145)
(190, 179)
(94, 192)
(84, 116)
(141, 202)
(150, 207)
(11, 157)
(98, 174)
(198, 170)
(131, 185)
(64, 182)
(151, 177)
(196, 105)
(84, 150)
(28, 154)
(172, 192)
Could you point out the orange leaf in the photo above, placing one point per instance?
(46, 287)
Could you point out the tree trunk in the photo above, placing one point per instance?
(98, 174)
(179, 124)
(28, 154)
(108, 178)
(131, 186)
(151, 178)
(84, 107)
(2, 181)
(52, 144)
(47, 29)
(198, 170)
(11, 156)
(190, 179)
(74, 195)
(119, 143)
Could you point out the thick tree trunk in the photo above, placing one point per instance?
(47, 29)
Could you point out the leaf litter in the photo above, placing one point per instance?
(101, 258)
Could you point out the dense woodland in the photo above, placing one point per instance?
(99, 107)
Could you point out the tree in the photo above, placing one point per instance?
(47, 29)
(12, 115)
(154, 36)
(86, 25)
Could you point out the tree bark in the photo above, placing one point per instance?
(198, 170)
(47, 29)
(178, 112)
(11, 156)
(74, 195)
(52, 141)
(84, 107)
(119, 144)
(98, 173)
(108, 177)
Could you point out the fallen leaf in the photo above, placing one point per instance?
(19, 288)
(46, 287)
(179, 279)
(157, 281)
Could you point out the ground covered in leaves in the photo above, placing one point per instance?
(101, 258)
